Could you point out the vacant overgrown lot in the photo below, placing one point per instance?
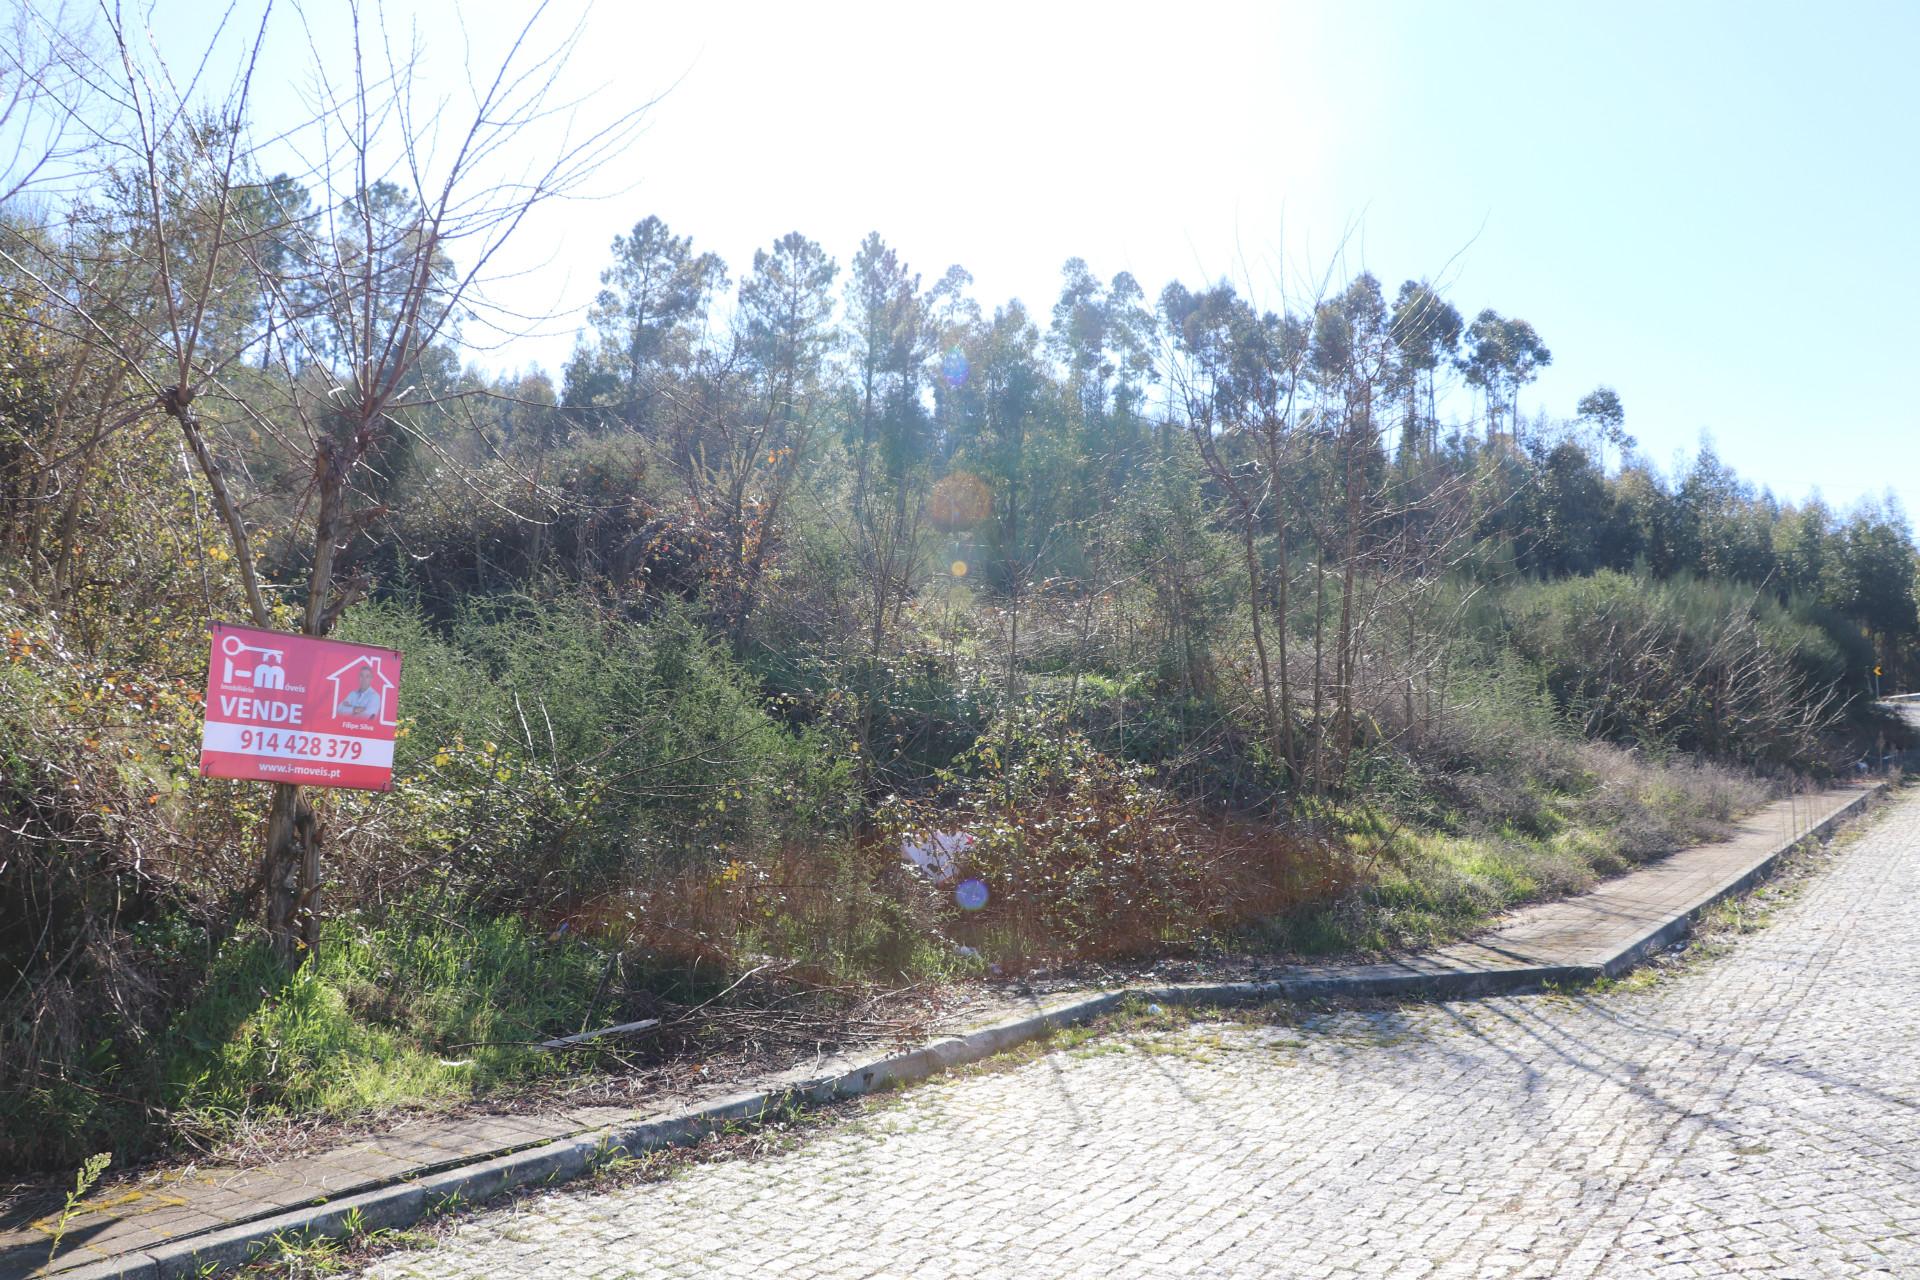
(518, 884)
(1171, 623)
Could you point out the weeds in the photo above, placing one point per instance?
(451, 1202)
(300, 1255)
(297, 1255)
(611, 1160)
(83, 1181)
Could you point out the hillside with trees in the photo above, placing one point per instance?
(1196, 621)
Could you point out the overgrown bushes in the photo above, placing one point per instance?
(559, 744)
(1078, 855)
(1683, 664)
(568, 770)
(552, 753)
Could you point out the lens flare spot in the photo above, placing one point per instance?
(953, 367)
(959, 569)
(970, 894)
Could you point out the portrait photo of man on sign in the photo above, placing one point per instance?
(361, 689)
(363, 703)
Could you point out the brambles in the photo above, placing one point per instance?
(1082, 856)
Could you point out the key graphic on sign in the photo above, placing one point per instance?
(268, 673)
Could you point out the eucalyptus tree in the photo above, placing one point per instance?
(886, 335)
(953, 322)
(1602, 409)
(1502, 356)
(1102, 336)
(1653, 527)
(785, 329)
(1561, 519)
(1217, 367)
(1102, 339)
(1730, 525)
(1873, 581)
(1426, 331)
(888, 340)
(1805, 546)
(1352, 356)
(1601, 412)
(1012, 405)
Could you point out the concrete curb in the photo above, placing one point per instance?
(406, 1201)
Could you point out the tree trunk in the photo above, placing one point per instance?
(1433, 417)
(292, 877)
(864, 460)
(1412, 662)
(541, 443)
(293, 835)
(1346, 657)
(1319, 668)
(289, 869)
(69, 529)
(1286, 693)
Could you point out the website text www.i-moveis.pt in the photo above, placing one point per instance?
(304, 771)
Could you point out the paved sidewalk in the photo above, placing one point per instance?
(1602, 931)
(1609, 929)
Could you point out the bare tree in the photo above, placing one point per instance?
(46, 144)
(416, 200)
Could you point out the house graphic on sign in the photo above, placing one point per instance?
(346, 684)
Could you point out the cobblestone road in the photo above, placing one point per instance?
(1758, 1114)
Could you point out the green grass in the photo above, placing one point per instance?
(415, 1010)
(1428, 887)
(1426, 883)
(385, 1016)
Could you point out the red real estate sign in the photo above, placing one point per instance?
(287, 708)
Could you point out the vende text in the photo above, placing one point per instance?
(260, 709)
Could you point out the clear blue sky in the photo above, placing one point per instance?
(1708, 206)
